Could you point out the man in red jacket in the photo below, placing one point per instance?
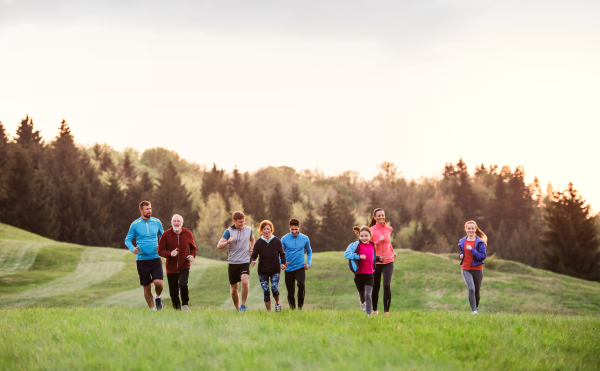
(178, 246)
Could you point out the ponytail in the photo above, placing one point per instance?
(479, 233)
(357, 230)
(373, 221)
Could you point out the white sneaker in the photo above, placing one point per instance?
(363, 306)
(185, 308)
(277, 307)
(474, 313)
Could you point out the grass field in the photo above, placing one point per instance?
(128, 338)
(65, 306)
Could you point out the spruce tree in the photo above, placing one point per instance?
(128, 170)
(329, 227)
(26, 136)
(295, 193)
(571, 239)
(279, 211)
(115, 202)
(345, 219)
(171, 197)
(312, 228)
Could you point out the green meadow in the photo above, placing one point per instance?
(67, 306)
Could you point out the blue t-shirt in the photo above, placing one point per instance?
(226, 235)
(294, 248)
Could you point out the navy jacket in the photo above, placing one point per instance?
(479, 252)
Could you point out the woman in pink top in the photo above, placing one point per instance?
(381, 237)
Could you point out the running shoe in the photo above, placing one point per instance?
(243, 308)
(158, 302)
(299, 308)
(185, 308)
(153, 308)
(375, 312)
(363, 306)
(277, 307)
(387, 314)
(474, 313)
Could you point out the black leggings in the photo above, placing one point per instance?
(179, 281)
(387, 270)
(292, 277)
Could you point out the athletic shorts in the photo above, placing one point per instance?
(236, 271)
(149, 270)
(361, 280)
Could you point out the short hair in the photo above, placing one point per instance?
(264, 223)
(173, 217)
(144, 203)
(238, 215)
(294, 222)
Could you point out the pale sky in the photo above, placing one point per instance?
(339, 85)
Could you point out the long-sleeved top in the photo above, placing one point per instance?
(171, 241)
(294, 248)
(479, 252)
(384, 248)
(146, 234)
(271, 255)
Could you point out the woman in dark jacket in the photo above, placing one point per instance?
(270, 251)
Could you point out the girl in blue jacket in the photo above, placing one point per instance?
(472, 256)
(362, 256)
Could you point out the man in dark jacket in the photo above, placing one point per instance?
(178, 246)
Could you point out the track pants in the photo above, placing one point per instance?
(291, 278)
(177, 282)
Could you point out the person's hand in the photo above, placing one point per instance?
(282, 266)
(252, 263)
(469, 247)
(363, 257)
(175, 252)
(460, 256)
(230, 240)
(306, 266)
(394, 254)
(190, 258)
(136, 250)
(381, 238)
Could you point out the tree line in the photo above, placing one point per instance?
(89, 196)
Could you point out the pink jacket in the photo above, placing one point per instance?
(384, 247)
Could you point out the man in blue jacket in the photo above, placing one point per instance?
(147, 231)
(295, 244)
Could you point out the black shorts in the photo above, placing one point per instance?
(149, 270)
(236, 271)
(361, 280)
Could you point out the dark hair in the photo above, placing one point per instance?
(265, 223)
(373, 221)
(238, 215)
(357, 230)
(144, 203)
(295, 222)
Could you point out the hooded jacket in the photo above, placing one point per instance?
(169, 242)
(479, 252)
(353, 257)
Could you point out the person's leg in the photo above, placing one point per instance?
(471, 286)
(388, 270)
(369, 298)
(289, 285)
(359, 287)
(184, 276)
(148, 295)
(300, 276)
(173, 282)
(245, 288)
(235, 295)
(158, 287)
(275, 287)
(477, 278)
(376, 285)
(264, 283)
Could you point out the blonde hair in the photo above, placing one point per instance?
(357, 230)
(479, 233)
(265, 223)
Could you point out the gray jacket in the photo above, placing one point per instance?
(239, 249)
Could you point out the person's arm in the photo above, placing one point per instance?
(192, 246)
(129, 239)
(252, 242)
(351, 252)
(225, 240)
(160, 230)
(162, 248)
(281, 255)
(255, 253)
(308, 251)
(460, 254)
(480, 255)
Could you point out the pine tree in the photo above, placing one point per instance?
(279, 211)
(106, 161)
(213, 181)
(345, 220)
(26, 137)
(171, 197)
(3, 160)
(115, 206)
(571, 239)
(329, 227)
(295, 193)
(127, 169)
(255, 204)
(312, 228)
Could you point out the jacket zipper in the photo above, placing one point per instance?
(178, 253)
(148, 230)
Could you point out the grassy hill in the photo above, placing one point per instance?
(37, 272)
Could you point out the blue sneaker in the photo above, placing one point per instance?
(243, 308)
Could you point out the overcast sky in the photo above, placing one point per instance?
(339, 85)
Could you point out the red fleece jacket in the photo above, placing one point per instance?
(171, 241)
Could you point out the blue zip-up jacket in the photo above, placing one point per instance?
(479, 252)
(294, 248)
(354, 257)
(146, 234)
